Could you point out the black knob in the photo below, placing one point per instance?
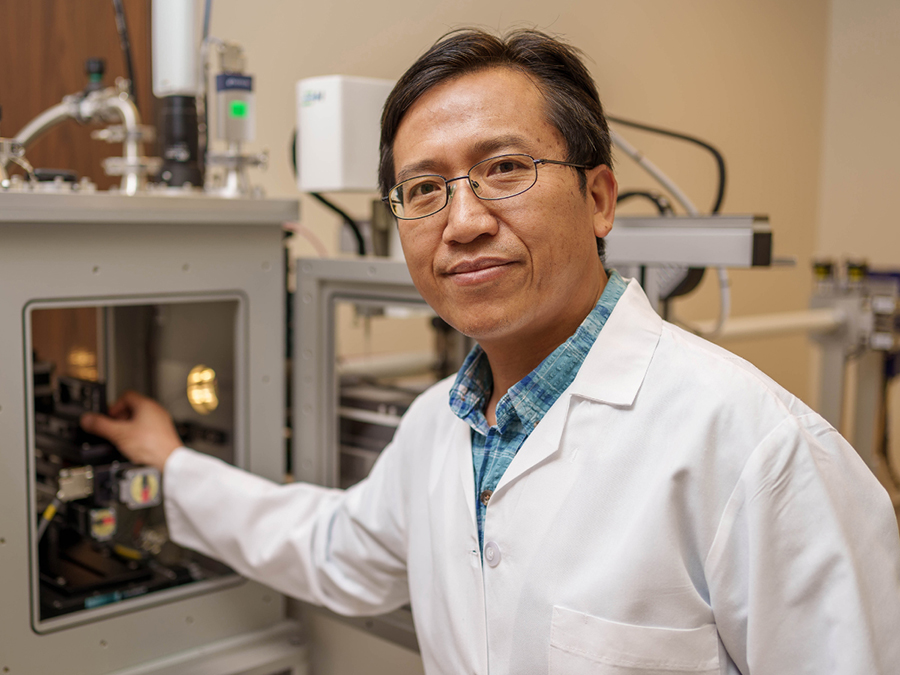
(94, 67)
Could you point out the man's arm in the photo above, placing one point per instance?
(344, 550)
(804, 572)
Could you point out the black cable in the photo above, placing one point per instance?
(357, 233)
(122, 29)
(360, 242)
(720, 161)
(207, 10)
(662, 204)
(204, 121)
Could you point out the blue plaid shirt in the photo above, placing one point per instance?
(525, 404)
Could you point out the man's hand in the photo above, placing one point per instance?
(139, 427)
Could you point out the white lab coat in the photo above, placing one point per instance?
(676, 511)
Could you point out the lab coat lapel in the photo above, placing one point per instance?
(456, 449)
(612, 373)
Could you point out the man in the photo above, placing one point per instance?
(596, 491)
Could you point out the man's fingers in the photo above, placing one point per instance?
(132, 398)
(120, 410)
(126, 404)
(100, 425)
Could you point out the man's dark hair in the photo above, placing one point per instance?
(573, 104)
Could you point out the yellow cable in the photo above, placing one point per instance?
(127, 552)
(49, 512)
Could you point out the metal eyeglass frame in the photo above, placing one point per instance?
(448, 192)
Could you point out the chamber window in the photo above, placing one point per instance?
(99, 524)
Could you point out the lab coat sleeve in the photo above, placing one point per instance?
(804, 571)
(341, 549)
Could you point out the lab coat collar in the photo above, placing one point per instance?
(615, 367)
(612, 374)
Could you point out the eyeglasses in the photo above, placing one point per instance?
(494, 178)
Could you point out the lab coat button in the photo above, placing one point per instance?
(486, 496)
(492, 553)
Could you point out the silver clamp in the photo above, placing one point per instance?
(117, 133)
(238, 162)
(140, 166)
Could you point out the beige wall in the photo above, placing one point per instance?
(860, 173)
(748, 76)
(861, 133)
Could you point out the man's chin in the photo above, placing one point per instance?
(483, 328)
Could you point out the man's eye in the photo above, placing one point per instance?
(423, 189)
(506, 166)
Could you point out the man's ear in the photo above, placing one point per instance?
(602, 190)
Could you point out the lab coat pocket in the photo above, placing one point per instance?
(581, 644)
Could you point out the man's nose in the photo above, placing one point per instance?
(468, 217)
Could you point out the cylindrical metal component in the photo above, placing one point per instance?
(132, 147)
(176, 43)
(766, 325)
(179, 136)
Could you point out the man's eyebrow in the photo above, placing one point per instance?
(505, 142)
(426, 166)
(482, 149)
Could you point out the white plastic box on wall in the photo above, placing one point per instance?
(338, 128)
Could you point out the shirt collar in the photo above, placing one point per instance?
(529, 399)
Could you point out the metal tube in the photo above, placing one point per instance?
(767, 325)
(46, 121)
(388, 365)
(866, 405)
(132, 147)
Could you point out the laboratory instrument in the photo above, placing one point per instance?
(174, 297)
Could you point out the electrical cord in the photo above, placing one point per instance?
(122, 29)
(207, 11)
(666, 182)
(352, 224)
(659, 200)
(204, 75)
(48, 515)
(308, 235)
(655, 172)
(720, 161)
(360, 242)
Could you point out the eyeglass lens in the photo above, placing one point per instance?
(494, 178)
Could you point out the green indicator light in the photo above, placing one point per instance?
(238, 109)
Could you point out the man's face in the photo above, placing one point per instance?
(522, 270)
